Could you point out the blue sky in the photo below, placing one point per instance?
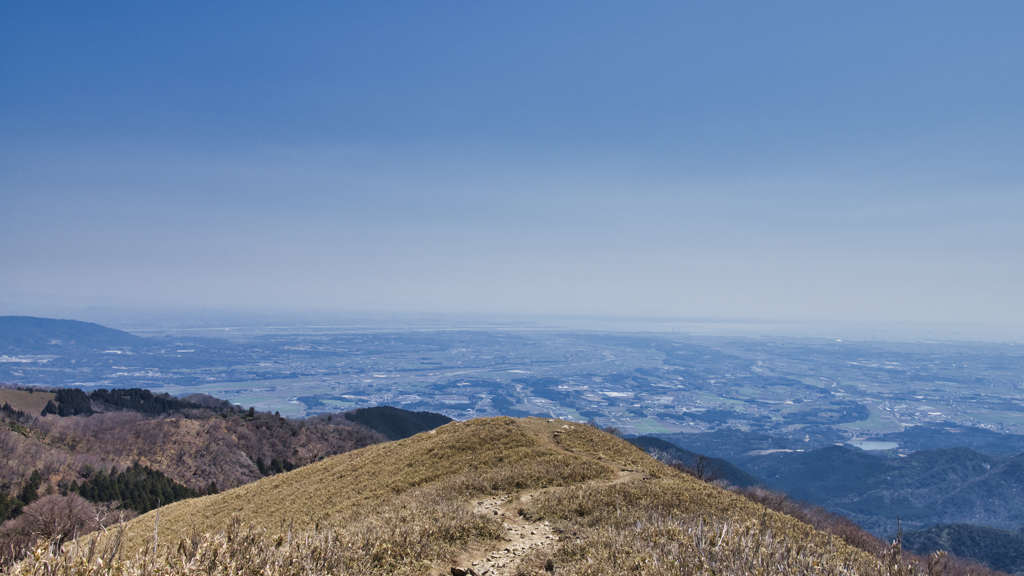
(785, 160)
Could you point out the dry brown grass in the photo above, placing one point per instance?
(403, 538)
(28, 402)
(458, 459)
(815, 516)
(401, 508)
(678, 525)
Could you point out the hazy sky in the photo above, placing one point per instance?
(776, 160)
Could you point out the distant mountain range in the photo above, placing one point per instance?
(26, 334)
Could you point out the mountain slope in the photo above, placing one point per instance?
(30, 334)
(955, 485)
(1000, 549)
(504, 495)
(720, 468)
(192, 445)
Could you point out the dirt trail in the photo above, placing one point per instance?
(523, 536)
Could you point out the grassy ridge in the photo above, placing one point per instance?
(406, 507)
(477, 456)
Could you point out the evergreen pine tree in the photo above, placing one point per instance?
(28, 494)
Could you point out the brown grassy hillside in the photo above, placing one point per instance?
(480, 456)
(30, 402)
(495, 496)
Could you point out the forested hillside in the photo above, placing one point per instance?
(132, 450)
(395, 423)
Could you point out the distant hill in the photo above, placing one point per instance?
(999, 549)
(728, 442)
(395, 423)
(41, 335)
(727, 471)
(956, 485)
(949, 435)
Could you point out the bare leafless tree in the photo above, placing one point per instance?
(54, 518)
(8, 446)
(58, 517)
(703, 467)
(706, 470)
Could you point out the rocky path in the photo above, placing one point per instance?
(523, 537)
